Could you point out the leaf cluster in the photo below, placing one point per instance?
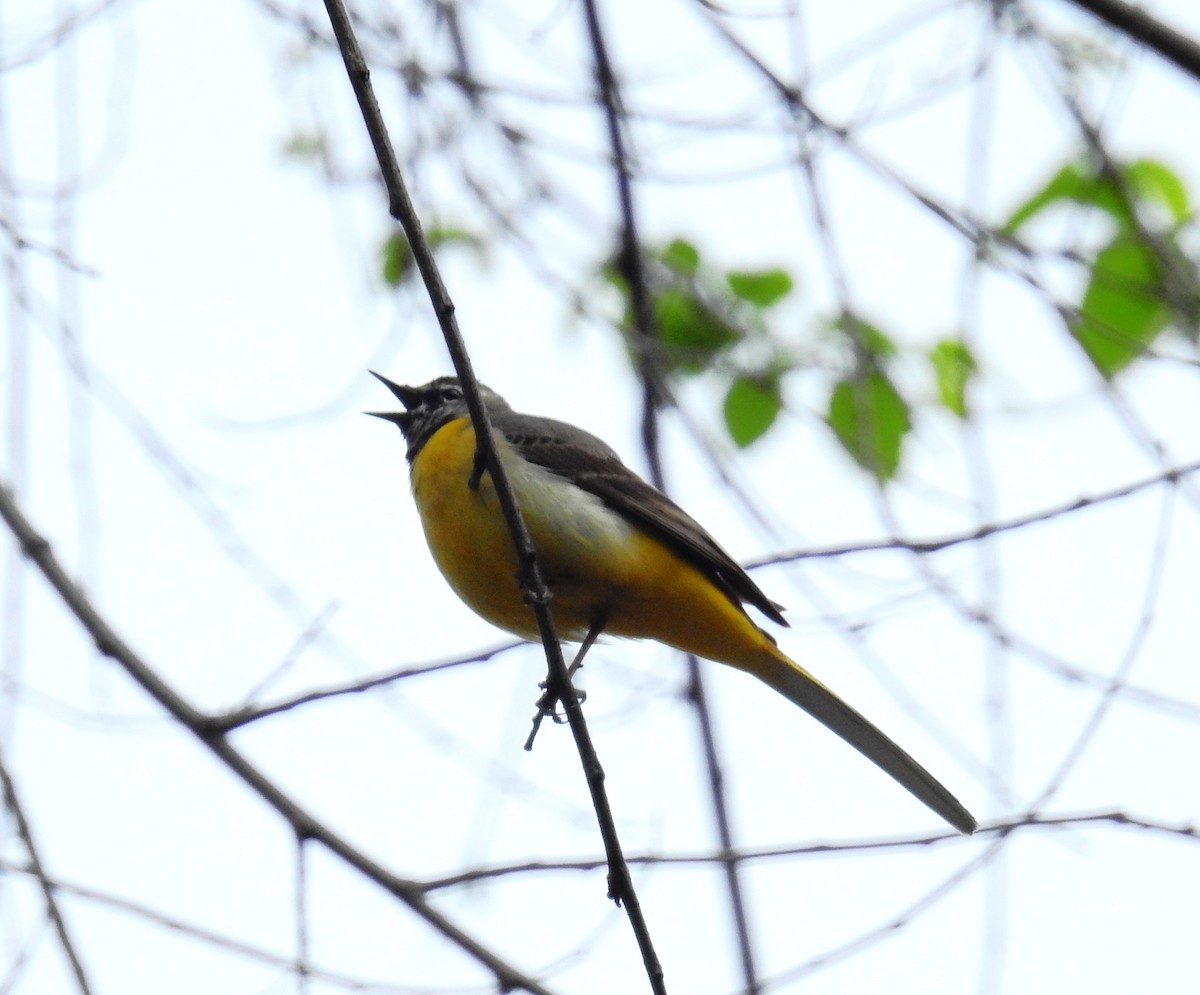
(718, 323)
(725, 324)
(730, 324)
(1141, 281)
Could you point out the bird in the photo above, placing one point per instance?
(618, 556)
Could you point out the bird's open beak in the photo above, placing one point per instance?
(408, 396)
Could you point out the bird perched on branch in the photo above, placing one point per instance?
(618, 556)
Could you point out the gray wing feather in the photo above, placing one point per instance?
(592, 465)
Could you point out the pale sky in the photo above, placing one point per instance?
(228, 312)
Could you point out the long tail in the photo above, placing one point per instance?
(795, 684)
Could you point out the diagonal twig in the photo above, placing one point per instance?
(653, 393)
(1186, 832)
(533, 586)
(8, 790)
(1172, 45)
(935, 545)
(305, 825)
(250, 713)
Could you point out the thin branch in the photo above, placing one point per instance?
(1188, 832)
(720, 808)
(533, 586)
(8, 789)
(1153, 34)
(228, 943)
(248, 714)
(630, 260)
(892, 926)
(302, 823)
(486, 457)
(20, 958)
(633, 269)
(196, 496)
(311, 633)
(303, 945)
(995, 929)
(1170, 476)
(1132, 653)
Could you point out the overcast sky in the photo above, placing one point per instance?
(216, 487)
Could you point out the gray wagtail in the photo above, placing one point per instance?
(617, 555)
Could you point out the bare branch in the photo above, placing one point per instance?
(303, 824)
(1187, 832)
(487, 458)
(219, 941)
(248, 714)
(1141, 27)
(1170, 476)
(8, 789)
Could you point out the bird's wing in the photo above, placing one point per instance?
(589, 463)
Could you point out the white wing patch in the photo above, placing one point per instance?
(558, 512)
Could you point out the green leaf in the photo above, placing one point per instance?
(610, 273)
(691, 331)
(1121, 312)
(762, 288)
(682, 257)
(1073, 182)
(397, 260)
(953, 366)
(751, 407)
(1145, 179)
(870, 420)
(1062, 185)
(870, 338)
(1151, 180)
(311, 146)
(440, 236)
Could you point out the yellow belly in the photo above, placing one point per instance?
(595, 563)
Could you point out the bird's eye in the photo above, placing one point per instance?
(451, 393)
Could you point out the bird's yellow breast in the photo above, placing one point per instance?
(464, 527)
(584, 549)
(596, 563)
